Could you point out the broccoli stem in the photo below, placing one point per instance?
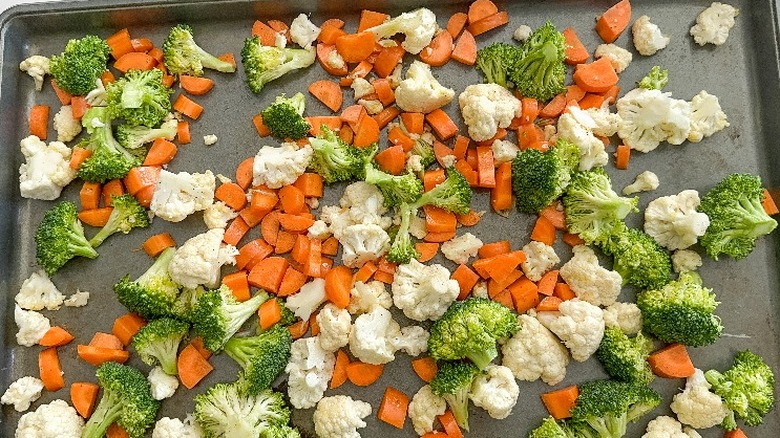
(459, 404)
(483, 358)
(107, 411)
(210, 61)
(756, 220)
(78, 243)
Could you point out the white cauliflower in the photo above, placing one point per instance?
(395, 77)
(590, 281)
(714, 23)
(54, 420)
(665, 427)
(32, 326)
(361, 87)
(619, 57)
(577, 126)
(22, 392)
(461, 248)
(162, 385)
(179, 195)
(625, 316)
(363, 242)
(707, 117)
(372, 106)
(495, 391)
(308, 299)
(673, 220)
(66, 125)
(340, 416)
(366, 205)
(648, 38)
(418, 26)
(46, 169)
(420, 92)
(540, 258)
(303, 32)
(310, 369)
(685, 260)
(98, 96)
(319, 230)
(606, 123)
(335, 60)
(199, 260)
(335, 325)
(487, 107)
(36, 66)
(370, 339)
(414, 163)
(218, 214)
(645, 182)
(648, 117)
(696, 406)
(579, 324)
(78, 299)
(174, 428)
(417, 226)
(38, 293)
(480, 290)
(277, 167)
(424, 408)
(423, 292)
(210, 139)
(522, 33)
(364, 297)
(412, 340)
(504, 151)
(534, 352)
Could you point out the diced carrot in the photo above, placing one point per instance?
(265, 33)
(622, 156)
(83, 397)
(425, 368)
(427, 250)
(99, 355)
(161, 153)
(671, 362)
(268, 273)
(280, 27)
(387, 60)
(55, 337)
(469, 219)
(269, 228)
(269, 313)
(384, 91)
(238, 285)
(572, 239)
(769, 204)
(126, 326)
(338, 284)
(495, 287)
(323, 55)
(466, 279)
(79, 106)
(736, 433)
(300, 250)
(252, 252)
(363, 374)
(370, 19)
(387, 115)
(365, 272)
(116, 431)
(450, 425)
(573, 93)
(262, 130)
(393, 408)
(486, 167)
(614, 21)
(329, 33)
(110, 189)
(461, 146)
(235, 231)
(145, 195)
(547, 283)
(339, 376)
(554, 213)
(432, 178)
(142, 44)
(576, 53)
(192, 366)
(292, 282)
(232, 195)
(439, 237)
(96, 217)
(355, 47)
(438, 220)
(554, 108)
(396, 136)
(441, 123)
(367, 133)
(353, 115)
(314, 266)
(50, 369)
(501, 194)
(488, 23)
(596, 77)
(295, 223)
(63, 96)
(564, 292)
(611, 95)
(106, 340)
(316, 123)
(413, 122)
(259, 207)
(456, 23)
(385, 277)
(195, 85)
(89, 195)
(439, 51)
(591, 100)
(291, 199)
(549, 304)
(500, 266)
(494, 248)
(441, 151)
(134, 61)
(183, 132)
(392, 160)
(78, 156)
(167, 80)
(327, 92)
(560, 402)
(188, 107)
(465, 50)
(39, 121)
(544, 231)
(524, 294)
(120, 43)
(480, 9)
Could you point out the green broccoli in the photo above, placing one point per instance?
(737, 218)
(470, 329)
(747, 388)
(453, 382)
(153, 294)
(333, 159)
(284, 117)
(158, 343)
(425, 151)
(682, 311)
(539, 71)
(396, 189)
(226, 409)
(453, 194)
(182, 56)
(127, 400)
(608, 406)
(139, 97)
(126, 215)
(109, 160)
(593, 209)
(402, 250)
(186, 301)
(78, 68)
(60, 237)
(638, 258)
(281, 431)
(625, 358)
(134, 137)
(263, 64)
(218, 316)
(496, 62)
(551, 429)
(262, 357)
(656, 79)
(539, 178)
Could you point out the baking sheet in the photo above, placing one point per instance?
(743, 73)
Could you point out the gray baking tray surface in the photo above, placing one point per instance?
(743, 73)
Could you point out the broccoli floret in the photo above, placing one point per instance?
(281, 431)
(158, 342)
(139, 97)
(540, 71)
(109, 160)
(682, 311)
(593, 209)
(263, 64)
(226, 409)
(747, 388)
(262, 357)
(284, 117)
(625, 358)
(134, 137)
(539, 178)
(396, 189)
(186, 301)
(737, 218)
(656, 79)
(638, 258)
(552, 429)
(453, 194)
(402, 250)
(127, 400)
(126, 215)
(218, 316)
(470, 329)
(608, 405)
(153, 293)
(425, 151)
(452, 382)
(77, 69)
(182, 56)
(496, 62)
(60, 237)
(333, 159)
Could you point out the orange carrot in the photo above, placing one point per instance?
(555, 215)
(427, 250)
(466, 279)
(116, 431)
(195, 85)
(55, 337)
(316, 123)
(481, 9)
(90, 195)
(259, 207)
(469, 219)
(488, 23)
(106, 340)
(329, 33)
(501, 194)
(188, 107)
(413, 122)
(486, 167)
(441, 123)
(323, 55)
(161, 153)
(384, 91)
(183, 132)
(499, 267)
(316, 264)
(524, 294)
(365, 272)
(549, 304)
(355, 47)
(120, 43)
(370, 19)
(252, 252)
(301, 247)
(387, 60)
(456, 23)
(96, 217)
(560, 402)
(439, 51)
(393, 408)
(398, 137)
(292, 282)
(126, 326)
(141, 44)
(622, 157)
(614, 21)
(544, 231)
(572, 239)
(339, 370)
(99, 355)
(269, 313)
(232, 195)
(50, 369)
(367, 133)
(63, 96)
(392, 160)
(769, 204)
(564, 292)
(39, 121)
(83, 396)
(671, 362)
(496, 287)
(192, 366)
(438, 220)
(338, 284)
(611, 95)
(79, 106)
(268, 273)
(78, 156)
(591, 100)
(198, 344)
(387, 278)
(387, 115)
(110, 189)
(134, 61)
(363, 374)
(465, 50)
(432, 178)
(450, 425)
(425, 368)
(298, 329)
(265, 33)
(244, 172)
(291, 199)
(353, 115)
(269, 228)
(439, 237)
(295, 223)
(327, 92)
(262, 130)
(238, 285)
(736, 433)
(494, 248)
(235, 231)
(576, 53)
(596, 77)
(573, 93)
(554, 108)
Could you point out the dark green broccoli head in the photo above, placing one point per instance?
(453, 194)
(402, 250)
(60, 237)
(153, 294)
(218, 316)
(497, 60)
(656, 79)
(737, 217)
(78, 68)
(158, 343)
(186, 301)
(638, 258)
(333, 159)
(109, 160)
(226, 409)
(747, 388)
(284, 117)
(625, 358)
(263, 357)
(540, 71)
(127, 400)
(539, 178)
(182, 56)
(263, 64)
(453, 382)
(551, 429)
(470, 329)
(608, 405)
(425, 151)
(139, 97)
(127, 214)
(396, 189)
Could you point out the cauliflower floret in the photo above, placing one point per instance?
(22, 393)
(396, 76)
(625, 316)
(277, 167)
(414, 163)
(310, 369)
(461, 248)
(78, 299)
(303, 32)
(707, 117)
(210, 139)
(218, 214)
(98, 97)
(504, 151)
(423, 292)
(535, 352)
(619, 57)
(335, 60)
(66, 125)
(418, 26)
(540, 258)
(685, 260)
(577, 126)
(644, 182)
(412, 340)
(691, 432)
(199, 259)
(32, 326)
(420, 92)
(54, 420)
(308, 299)
(696, 406)
(178, 195)
(522, 33)
(673, 220)
(174, 428)
(370, 339)
(365, 205)
(589, 280)
(487, 107)
(340, 416)
(163, 386)
(335, 325)
(372, 106)
(424, 408)
(648, 38)
(495, 391)
(38, 293)
(714, 23)
(480, 290)
(648, 117)
(361, 87)
(550, 133)
(606, 122)
(417, 226)
(46, 169)
(319, 230)
(280, 40)
(664, 427)
(361, 243)
(365, 296)
(579, 324)
(37, 67)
